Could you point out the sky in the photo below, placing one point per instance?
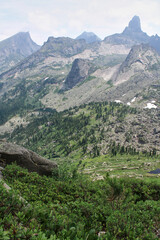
(44, 18)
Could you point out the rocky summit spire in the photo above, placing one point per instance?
(133, 26)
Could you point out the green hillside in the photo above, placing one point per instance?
(89, 130)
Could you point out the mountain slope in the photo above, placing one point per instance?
(16, 48)
(53, 61)
(91, 129)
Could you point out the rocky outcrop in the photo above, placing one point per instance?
(81, 68)
(10, 153)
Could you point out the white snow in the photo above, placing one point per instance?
(128, 103)
(133, 100)
(153, 101)
(46, 78)
(123, 95)
(62, 72)
(118, 101)
(150, 105)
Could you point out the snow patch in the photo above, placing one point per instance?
(46, 78)
(128, 103)
(118, 101)
(123, 95)
(150, 106)
(133, 100)
(153, 101)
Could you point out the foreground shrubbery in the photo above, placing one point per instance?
(75, 208)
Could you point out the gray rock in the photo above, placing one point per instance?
(79, 72)
(10, 153)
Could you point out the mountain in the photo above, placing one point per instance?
(15, 49)
(54, 60)
(134, 32)
(49, 61)
(131, 35)
(67, 72)
(89, 37)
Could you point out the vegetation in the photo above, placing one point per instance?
(71, 206)
(74, 204)
(80, 130)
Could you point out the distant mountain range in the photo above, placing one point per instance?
(68, 72)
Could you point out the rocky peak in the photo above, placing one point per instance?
(89, 37)
(134, 32)
(19, 43)
(15, 49)
(79, 72)
(135, 24)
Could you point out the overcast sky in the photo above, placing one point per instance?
(44, 18)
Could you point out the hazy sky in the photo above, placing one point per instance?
(44, 18)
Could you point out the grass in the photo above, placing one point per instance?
(133, 166)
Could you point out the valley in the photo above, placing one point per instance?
(91, 109)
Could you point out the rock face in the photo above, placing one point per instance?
(155, 42)
(141, 59)
(79, 72)
(137, 78)
(15, 49)
(10, 153)
(89, 37)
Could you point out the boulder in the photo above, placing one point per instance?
(10, 153)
